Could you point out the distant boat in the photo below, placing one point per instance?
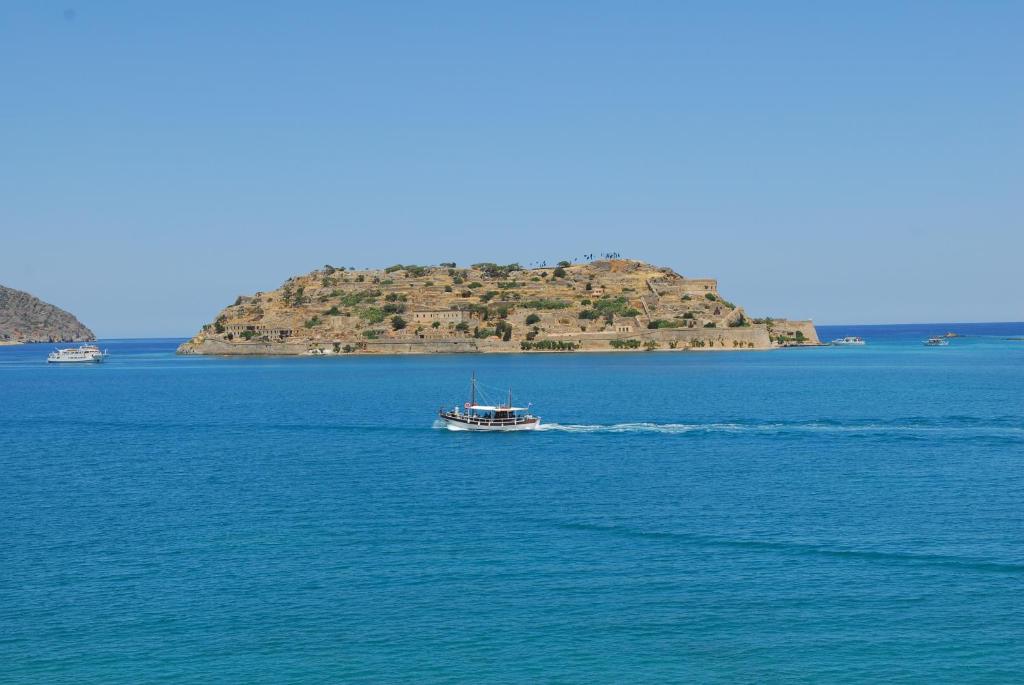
(83, 354)
(488, 417)
(936, 342)
(849, 340)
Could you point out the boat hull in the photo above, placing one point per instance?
(93, 360)
(453, 424)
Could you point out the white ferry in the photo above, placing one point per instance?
(83, 354)
(936, 342)
(849, 340)
(488, 417)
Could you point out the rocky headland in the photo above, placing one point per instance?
(604, 305)
(25, 318)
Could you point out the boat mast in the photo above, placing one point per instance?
(472, 390)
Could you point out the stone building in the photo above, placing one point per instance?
(442, 315)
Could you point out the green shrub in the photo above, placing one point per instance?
(370, 334)
(532, 319)
(312, 322)
(248, 334)
(617, 305)
(709, 324)
(371, 314)
(651, 345)
(545, 304)
(353, 299)
(397, 323)
(630, 344)
(474, 285)
(504, 330)
(710, 296)
(550, 345)
(492, 270)
(558, 273)
(462, 327)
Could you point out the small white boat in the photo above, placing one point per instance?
(488, 417)
(849, 340)
(936, 342)
(83, 354)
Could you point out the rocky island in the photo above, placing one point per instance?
(604, 305)
(25, 319)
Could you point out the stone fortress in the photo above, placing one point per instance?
(604, 305)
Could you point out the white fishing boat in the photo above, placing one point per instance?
(936, 341)
(83, 354)
(488, 417)
(849, 340)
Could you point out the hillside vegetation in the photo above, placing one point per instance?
(606, 304)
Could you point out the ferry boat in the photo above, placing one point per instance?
(936, 341)
(849, 340)
(83, 354)
(488, 417)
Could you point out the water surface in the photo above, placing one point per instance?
(831, 514)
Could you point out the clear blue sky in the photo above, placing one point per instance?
(850, 162)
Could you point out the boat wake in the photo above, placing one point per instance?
(910, 428)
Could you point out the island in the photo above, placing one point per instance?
(25, 318)
(603, 305)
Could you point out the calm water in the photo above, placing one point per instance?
(832, 514)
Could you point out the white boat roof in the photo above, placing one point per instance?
(487, 407)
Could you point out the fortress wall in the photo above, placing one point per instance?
(712, 337)
(697, 285)
(215, 347)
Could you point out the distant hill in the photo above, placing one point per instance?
(611, 304)
(25, 318)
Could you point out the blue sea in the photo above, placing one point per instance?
(800, 515)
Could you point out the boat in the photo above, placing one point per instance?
(849, 340)
(936, 341)
(83, 354)
(488, 417)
